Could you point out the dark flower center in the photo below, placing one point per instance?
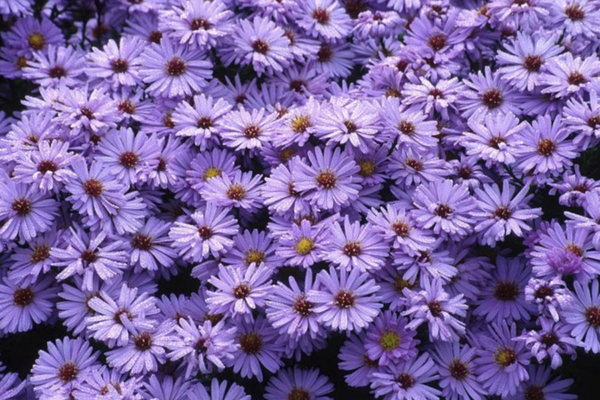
(47, 166)
(93, 187)
(57, 72)
(576, 78)
(574, 12)
(534, 392)
(143, 341)
(89, 256)
(176, 67)
(443, 211)
(350, 126)
(464, 172)
(594, 121)
(405, 380)
(36, 41)
(241, 291)
(592, 316)
(406, 127)
(436, 93)
(402, 65)
(401, 229)
(251, 343)
(533, 63)
(400, 284)
(352, 249)
(252, 131)
(40, 253)
(142, 242)
(292, 190)
(437, 42)
(200, 346)
(459, 370)
(492, 98)
(122, 311)
(354, 7)
(298, 394)
(573, 248)
(344, 299)
(200, 23)
(168, 121)
(495, 142)
(260, 46)
(240, 98)
(303, 306)
(23, 297)
(414, 164)
(503, 212)
(505, 357)
(86, 112)
(236, 192)
(297, 85)
(424, 257)
(435, 308)
(301, 123)
(546, 147)
(162, 165)
(325, 53)
(326, 180)
(204, 123)
(22, 207)
(126, 106)
(506, 291)
(129, 159)
(205, 232)
(549, 339)
(321, 15)
(543, 292)
(120, 66)
(68, 371)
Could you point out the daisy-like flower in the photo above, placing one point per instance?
(244, 130)
(239, 291)
(550, 296)
(34, 259)
(115, 64)
(107, 382)
(503, 299)
(583, 117)
(218, 391)
(502, 212)
(73, 304)
(306, 244)
(210, 233)
(202, 346)
(590, 221)
(29, 35)
(583, 316)
(545, 146)
(435, 306)
(410, 125)
(541, 386)
(328, 179)
(23, 305)
(566, 76)
(242, 190)
(207, 165)
(60, 65)
(298, 124)
(410, 167)
(445, 207)
(11, 386)
(457, 372)
(259, 346)
(260, 43)
(501, 361)
(407, 381)
(324, 19)
(199, 24)
(289, 310)
(525, 58)
(65, 364)
(355, 247)
(298, 383)
(279, 191)
(431, 98)
(577, 18)
(389, 341)
(174, 70)
(151, 247)
(202, 120)
(551, 341)
(495, 139)
(92, 256)
(252, 247)
(346, 301)
(115, 321)
(526, 15)
(24, 211)
(433, 37)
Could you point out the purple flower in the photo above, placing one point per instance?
(305, 246)
(60, 65)
(29, 35)
(117, 64)
(23, 305)
(567, 75)
(582, 315)
(202, 119)
(298, 383)
(218, 391)
(407, 381)
(456, 367)
(151, 248)
(243, 130)
(541, 386)
(242, 190)
(589, 222)
(550, 342)
(550, 296)
(389, 341)
(324, 19)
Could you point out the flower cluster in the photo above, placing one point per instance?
(414, 179)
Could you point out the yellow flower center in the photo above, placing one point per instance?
(36, 41)
(211, 173)
(389, 341)
(305, 246)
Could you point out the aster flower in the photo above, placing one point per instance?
(541, 386)
(151, 247)
(573, 188)
(545, 146)
(324, 19)
(279, 191)
(577, 18)
(408, 381)
(431, 98)
(589, 222)
(335, 60)
(73, 304)
(218, 391)
(346, 300)
(328, 179)
(174, 70)
(501, 362)
(239, 291)
(240, 190)
(566, 75)
(504, 299)
(389, 341)
(29, 262)
(23, 305)
(65, 364)
(583, 316)
(456, 367)
(353, 357)
(29, 34)
(433, 36)
(355, 247)
(434, 306)
(260, 43)
(258, 347)
(252, 247)
(410, 125)
(298, 383)
(60, 65)
(516, 14)
(305, 245)
(116, 64)
(410, 167)
(244, 130)
(107, 382)
(550, 296)
(202, 120)
(24, 211)
(550, 342)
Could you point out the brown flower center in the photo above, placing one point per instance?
(326, 180)
(40, 253)
(325, 53)
(435, 308)
(204, 123)
(574, 12)
(260, 46)
(129, 159)
(23, 297)
(303, 306)
(443, 211)
(405, 380)
(459, 370)
(492, 98)
(252, 131)
(22, 207)
(407, 127)
(299, 394)
(506, 291)
(344, 299)
(241, 291)
(93, 187)
(352, 249)
(142, 242)
(68, 371)
(205, 232)
(47, 166)
(251, 343)
(236, 192)
(592, 316)
(576, 78)
(534, 392)
(57, 72)
(546, 147)
(200, 23)
(437, 42)
(321, 15)
(503, 212)
(120, 66)
(533, 63)
(143, 341)
(176, 67)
